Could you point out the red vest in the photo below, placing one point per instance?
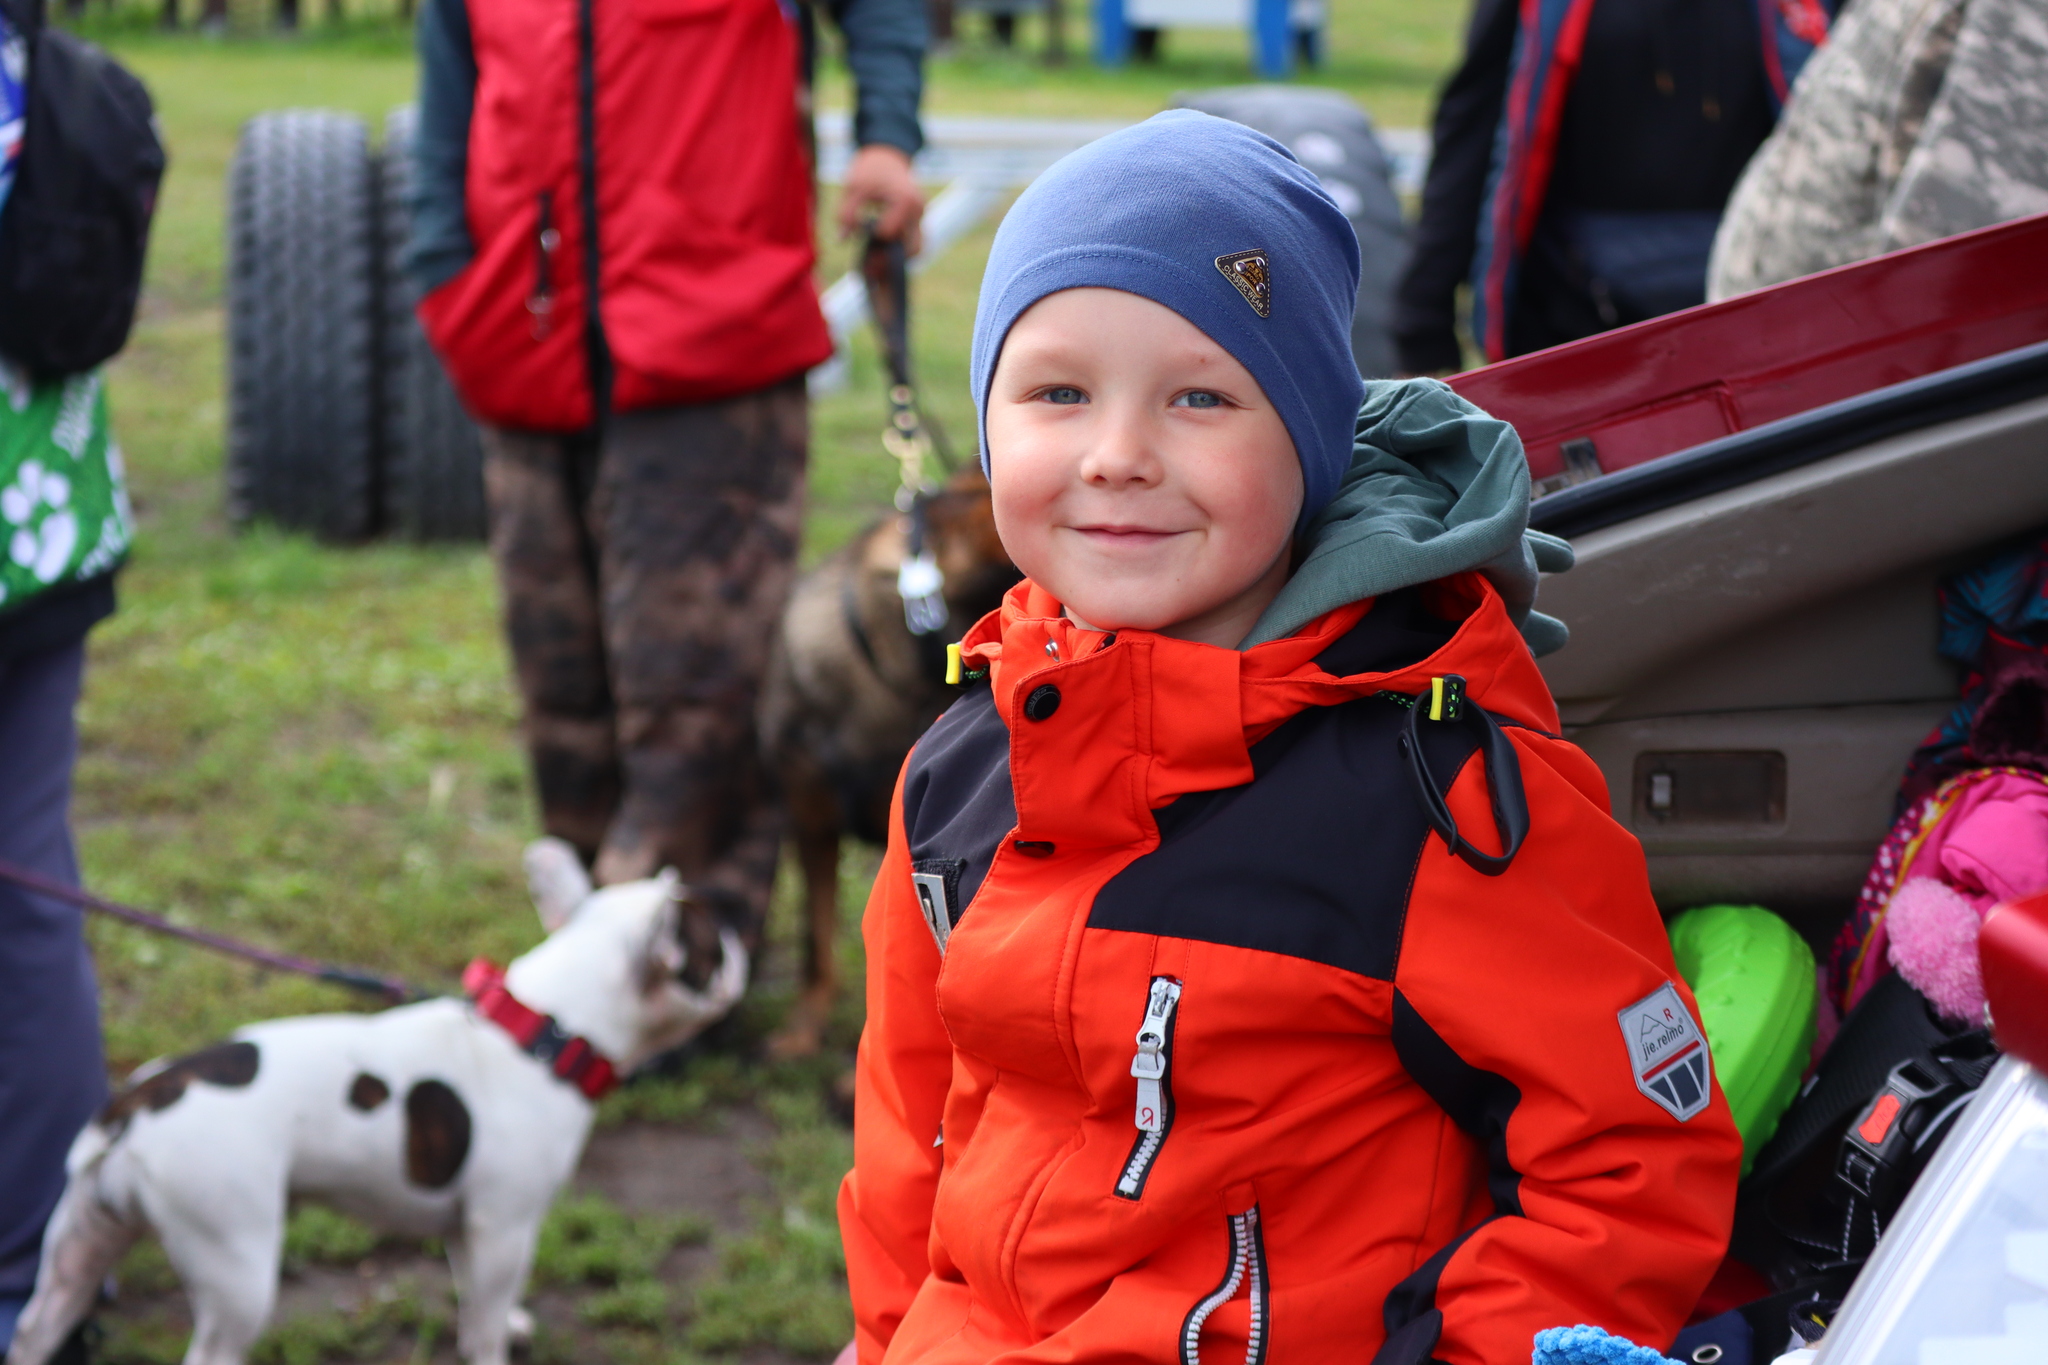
(702, 200)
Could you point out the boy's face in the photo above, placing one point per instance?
(1140, 475)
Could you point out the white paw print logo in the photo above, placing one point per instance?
(38, 506)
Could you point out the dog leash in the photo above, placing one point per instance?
(571, 1059)
(909, 436)
(387, 988)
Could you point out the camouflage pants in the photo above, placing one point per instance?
(644, 573)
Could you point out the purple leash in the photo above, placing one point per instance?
(387, 988)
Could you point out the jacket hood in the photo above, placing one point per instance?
(1189, 713)
(1436, 487)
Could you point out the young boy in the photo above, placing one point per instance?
(1252, 974)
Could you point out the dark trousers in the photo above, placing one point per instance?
(644, 573)
(52, 1073)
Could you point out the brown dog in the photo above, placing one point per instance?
(850, 689)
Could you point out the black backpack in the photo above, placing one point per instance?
(74, 228)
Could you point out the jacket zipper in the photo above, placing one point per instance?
(1151, 1067)
(1247, 1270)
(546, 238)
(599, 358)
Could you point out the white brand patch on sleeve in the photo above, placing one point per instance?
(931, 901)
(1667, 1052)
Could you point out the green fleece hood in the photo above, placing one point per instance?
(1436, 487)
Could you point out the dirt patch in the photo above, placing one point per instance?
(653, 1168)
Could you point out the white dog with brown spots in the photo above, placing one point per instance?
(459, 1119)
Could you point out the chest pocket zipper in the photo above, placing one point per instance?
(1152, 1066)
(1247, 1271)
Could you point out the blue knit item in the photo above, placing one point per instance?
(1154, 210)
(1583, 1345)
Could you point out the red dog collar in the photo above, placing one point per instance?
(572, 1059)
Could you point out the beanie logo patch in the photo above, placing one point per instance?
(1253, 276)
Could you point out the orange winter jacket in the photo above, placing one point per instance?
(1190, 1040)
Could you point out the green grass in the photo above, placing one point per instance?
(320, 1235)
(399, 1317)
(314, 747)
(1389, 54)
(398, 1322)
(307, 746)
(784, 1284)
(590, 1240)
(588, 1243)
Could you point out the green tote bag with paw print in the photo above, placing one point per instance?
(64, 513)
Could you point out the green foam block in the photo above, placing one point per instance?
(1753, 978)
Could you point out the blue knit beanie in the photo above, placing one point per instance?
(1223, 226)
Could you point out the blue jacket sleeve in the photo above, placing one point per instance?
(440, 244)
(885, 42)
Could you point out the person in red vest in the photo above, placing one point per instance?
(613, 242)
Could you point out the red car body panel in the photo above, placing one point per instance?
(2014, 950)
(1678, 381)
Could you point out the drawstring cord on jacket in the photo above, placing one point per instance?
(1445, 704)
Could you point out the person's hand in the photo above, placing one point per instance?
(879, 178)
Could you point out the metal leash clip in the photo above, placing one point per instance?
(921, 585)
(909, 436)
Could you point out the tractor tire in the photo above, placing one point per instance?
(1332, 136)
(302, 324)
(433, 459)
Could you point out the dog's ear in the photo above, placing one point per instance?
(696, 930)
(968, 478)
(557, 879)
(962, 522)
(664, 957)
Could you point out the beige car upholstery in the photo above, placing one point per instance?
(1751, 669)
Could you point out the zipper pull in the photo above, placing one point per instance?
(1149, 1066)
(541, 302)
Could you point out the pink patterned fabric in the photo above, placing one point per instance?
(1983, 833)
